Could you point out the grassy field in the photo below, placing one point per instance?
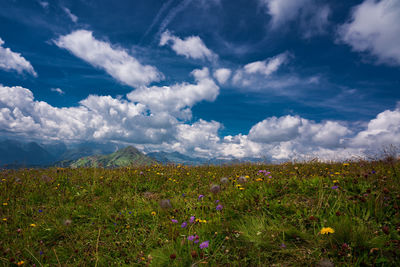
(264, 215)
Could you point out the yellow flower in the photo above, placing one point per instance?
(335, 181)
(346, 164)
(259, 179)
(326, 231)
(153, 213)
(241, 188)
(5, 204)
(20, 263)
(33, 225)
(247, 176)
(4, 219)
(337, 173)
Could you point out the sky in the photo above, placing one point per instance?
(272, 79)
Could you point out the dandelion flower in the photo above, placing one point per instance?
(33, 225)
(326, 231)
(5, 204)
(153, 213)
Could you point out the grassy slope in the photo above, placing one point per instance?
(128, 156)
(88, 216)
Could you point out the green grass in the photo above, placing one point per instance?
(102, 217)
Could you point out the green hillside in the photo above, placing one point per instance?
(128, 156)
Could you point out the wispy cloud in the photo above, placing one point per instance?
(58, 90)
(70, 15)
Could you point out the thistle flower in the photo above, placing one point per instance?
(219, 207)
(335, 187)
(192, 218)
(184, 224)
(174, 221)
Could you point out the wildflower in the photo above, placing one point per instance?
(262, 171)
(326, 231)
(200, 196)
(335, 181)
(67, 222)
(283, 245)
(5, 204)
(215, 189)
(33, 225)
(335, 187)
(204, 244)
(219, 207)
(241, 188)
(20, 263)
(40, 210)
(165, 204)
(191, 237)
(192, 218)
(174, 221)
(153, 213)
(242, 179)
(224, 180)
(172, 256)
(4, 219)
(216, 201)
(184, 224)
(346, 164)
(259, 180)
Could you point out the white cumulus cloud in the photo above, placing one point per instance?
(115, 61)
(222, 75)
(190, 47)
(374, 28)
(179, 98)
(58, 90)
(10, 60)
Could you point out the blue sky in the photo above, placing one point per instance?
(261, 78)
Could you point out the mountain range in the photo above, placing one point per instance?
(16, 154)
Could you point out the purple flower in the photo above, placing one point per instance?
(174, 221)
(262, 171)
(216, 201)
(192, 218)
(219, 207)
(283, 245)
(40, 210)
(184, 224)
(191, 237)
(335, 187)
(196, 241)
(204, 244)
(201, 196)
(270, 177)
